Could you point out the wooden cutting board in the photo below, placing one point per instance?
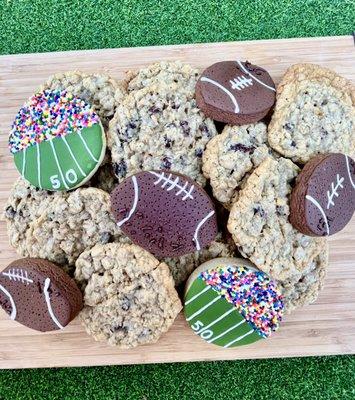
(326, 327)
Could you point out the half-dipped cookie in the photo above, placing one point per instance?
(229, 303)
(323, 199)
(166, 213)
(235, 92)
(57, 141)
(38, 294)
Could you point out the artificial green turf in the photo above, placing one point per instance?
(49, 25)
(321, 378)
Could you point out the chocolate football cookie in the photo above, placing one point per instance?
(229, 303)
(314, 114)
(130, 297)
(39, 295)
(323, 199)
(235, 92)
(166, 213)
(57, 141)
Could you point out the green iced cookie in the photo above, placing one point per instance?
(57, 141)
(229, 303)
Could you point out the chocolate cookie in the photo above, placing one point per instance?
(235, 92)
(166, 213)
(39, 295)
(323, 200)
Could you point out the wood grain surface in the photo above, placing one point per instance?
(326, 327)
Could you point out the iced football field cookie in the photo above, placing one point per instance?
(57, 141)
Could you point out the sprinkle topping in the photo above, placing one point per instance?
(253, 293)
(47, 115)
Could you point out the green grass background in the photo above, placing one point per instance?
(48, 25)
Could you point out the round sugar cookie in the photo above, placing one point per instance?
(38, 294)
(229, 303)
(57, 141)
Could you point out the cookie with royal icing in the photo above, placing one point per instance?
(323, 199)
(57, 141)
(229, 303)
(38, 294)
(166, 213)
(235, 92)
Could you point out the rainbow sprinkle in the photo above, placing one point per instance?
(252, 292)
(47, 115)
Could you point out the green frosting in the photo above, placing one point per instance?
(63, 163)
(214, 319)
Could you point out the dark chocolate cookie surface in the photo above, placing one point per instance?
(166, 213)
(323, 199)
(38, 294)
(235, 92)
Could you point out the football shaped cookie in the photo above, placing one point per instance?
(235, 92)
(57, 141)
(166, 213)
(323, 199)
(229, 303)
(39, 295)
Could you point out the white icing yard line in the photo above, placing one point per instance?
(197, 295)
(238, 338)
(24, 162)
(13, 305)
(39, 166)
(236, 110)
(225, 332)
(87, 147)
(47, 283)
(216, 320)
(254, 77)
(315, 202)
(135, 202)
(208, 216)
(58, 166)
(203, 308)
(349, 172)
(75, 160)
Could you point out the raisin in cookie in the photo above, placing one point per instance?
(259, 224)
(130, 297)
(175, 74)
(159, 128)
(71, 224)
(231, 155)
(102, 92)
(24, 205)
(181, 267)
(305, 290)
(314, 114)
